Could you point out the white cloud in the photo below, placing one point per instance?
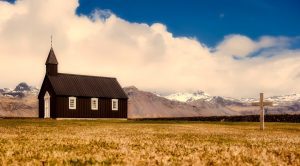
(147, 56)
(100, 14)
(242, 46)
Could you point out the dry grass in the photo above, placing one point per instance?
(50, 142)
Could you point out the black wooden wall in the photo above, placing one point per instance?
(83, 108)
(46, 86)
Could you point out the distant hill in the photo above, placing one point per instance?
(197, 95)
(19, 107)
(144, 104)
(22, 102)
(284, 104)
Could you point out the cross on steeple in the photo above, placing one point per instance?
(51, 41)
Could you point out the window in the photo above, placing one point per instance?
(94, 103)
(72, 103)
(114, 104)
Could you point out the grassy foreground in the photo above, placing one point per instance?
(50, 142)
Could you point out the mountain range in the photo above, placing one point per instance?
(193, 96)
(21, 90)
(22, 101)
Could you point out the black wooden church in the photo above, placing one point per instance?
(79, 96)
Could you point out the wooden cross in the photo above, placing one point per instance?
(262, 103)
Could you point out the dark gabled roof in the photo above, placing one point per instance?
(51, 58)
(86, 86)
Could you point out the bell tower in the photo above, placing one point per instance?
(51, 64)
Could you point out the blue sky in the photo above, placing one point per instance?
(227, 48)
(209, 21)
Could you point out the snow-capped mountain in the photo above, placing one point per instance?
(5, 90)
(20, 90)
(249, 100)
(200, 97)
(143, 104)
(189, 97)
(194, 96)
(284, 98)
(22, 87)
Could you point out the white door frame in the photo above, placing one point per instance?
(47, 105)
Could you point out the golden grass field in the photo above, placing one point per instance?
(104, 142)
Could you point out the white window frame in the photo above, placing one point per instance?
(94, 107)
(116, 101)
(74, 106)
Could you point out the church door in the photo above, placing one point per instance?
(47, 105)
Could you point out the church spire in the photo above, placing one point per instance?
(51, 62)
(51, 57)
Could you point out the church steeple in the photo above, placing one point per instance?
(51, 63)
(51, 58)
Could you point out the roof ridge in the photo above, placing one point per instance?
(86, 75)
